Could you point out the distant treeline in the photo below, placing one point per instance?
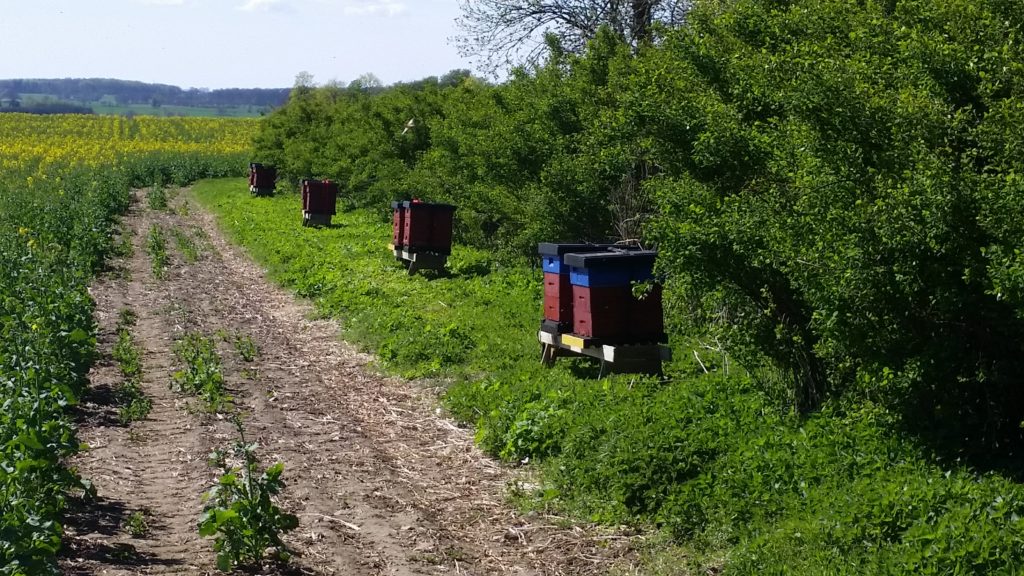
(47, 108)
(130, 92)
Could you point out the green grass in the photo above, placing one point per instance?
(729, 479)
(420, 326)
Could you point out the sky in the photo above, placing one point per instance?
(228, 43)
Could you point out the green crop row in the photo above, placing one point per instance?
(132, 401)
(49, 246)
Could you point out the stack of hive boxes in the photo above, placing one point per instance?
(589, 292)
(319, 200)
(422, 227)
(262, 179)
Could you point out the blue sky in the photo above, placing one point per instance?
(228, 43)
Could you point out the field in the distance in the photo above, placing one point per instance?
(201, 111)
(109, 107)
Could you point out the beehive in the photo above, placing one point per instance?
(262, 177)
(558, 297)
(319, 197)
(604, 306)
(427, 227)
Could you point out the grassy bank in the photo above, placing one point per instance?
(722, 472)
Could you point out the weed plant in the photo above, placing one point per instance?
(136, 525)
(202, 374)
(246, 347)
(127, 354)
(124, 248)
(156, 247)
(132, 402)
(126, 319)
(156, 197)
(240, 513)
(186, 246)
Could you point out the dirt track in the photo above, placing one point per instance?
(381, 481)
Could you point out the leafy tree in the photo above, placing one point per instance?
(831, 178)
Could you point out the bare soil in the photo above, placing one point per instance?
(381, 481)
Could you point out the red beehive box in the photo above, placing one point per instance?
(261, 176)
(601, 312)
(428, 226)
(266, 178)
(398, 225)
(417, 224)
(603, 303)
(441, 229)
(319, 197)
(558, 298)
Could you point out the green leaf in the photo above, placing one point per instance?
(224, 562)
(223, 516)
(30, 439)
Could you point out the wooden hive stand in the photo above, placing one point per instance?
(615, 359)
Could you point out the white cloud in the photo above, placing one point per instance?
(163, 2)
(374, 7)
(265, 6)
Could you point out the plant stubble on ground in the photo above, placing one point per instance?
(380, 482)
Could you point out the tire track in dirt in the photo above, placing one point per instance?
(382, 483)
(156, 466)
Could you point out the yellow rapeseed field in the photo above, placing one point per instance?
(41, 147)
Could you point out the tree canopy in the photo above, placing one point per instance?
(509, 32)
